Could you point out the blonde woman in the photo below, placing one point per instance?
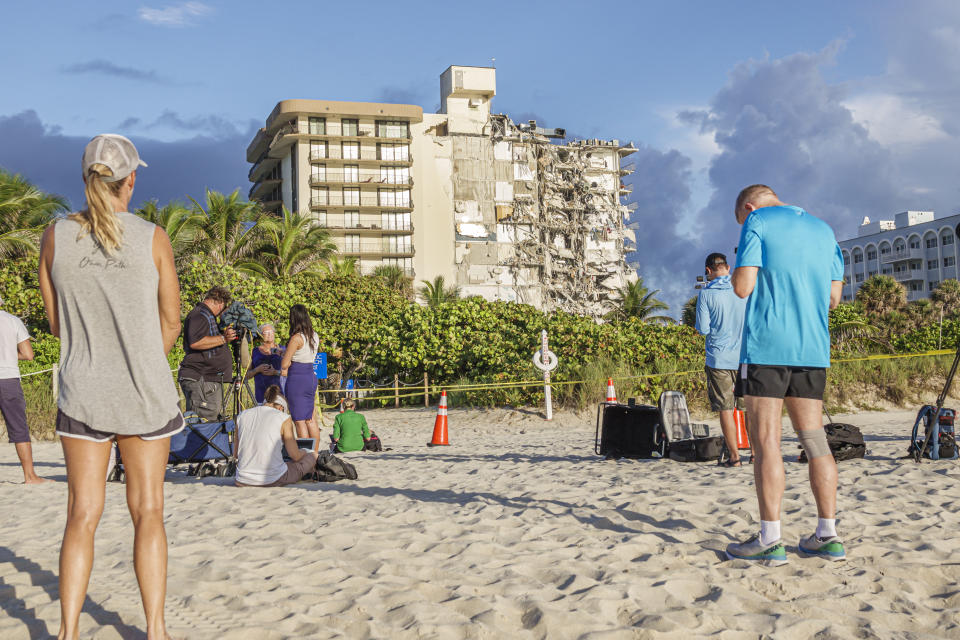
(112, 297)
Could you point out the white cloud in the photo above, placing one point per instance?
(180, 15)
(892, 120)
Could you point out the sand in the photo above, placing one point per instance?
(517, 530)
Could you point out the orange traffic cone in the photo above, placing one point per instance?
(611, 392)
(740, 419)
(440, 425)
(341, 405)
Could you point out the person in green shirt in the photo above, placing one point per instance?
(350, 430)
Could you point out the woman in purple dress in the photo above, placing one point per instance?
(297, 368)
(265, 362)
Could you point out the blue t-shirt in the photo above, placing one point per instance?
(798, 256)
(720, 317)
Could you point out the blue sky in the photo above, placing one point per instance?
(845, 108)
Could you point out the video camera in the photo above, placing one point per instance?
(241, 318)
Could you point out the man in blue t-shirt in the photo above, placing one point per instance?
(790, 266)
(720, 318)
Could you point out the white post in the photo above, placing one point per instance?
(546, 377)
(55, 383)
(546, 361)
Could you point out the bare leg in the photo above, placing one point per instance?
(86, 487)
(145, 462)
(765, 429)
(805, 414)
(729, 428)
(308, 429)
(25, 453)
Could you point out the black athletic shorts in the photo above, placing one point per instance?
(772, 381)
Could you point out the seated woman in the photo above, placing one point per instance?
(265, 362)
(350, 430)
(261, 431)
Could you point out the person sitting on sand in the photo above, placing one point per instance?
(261, 431)
(350, 430)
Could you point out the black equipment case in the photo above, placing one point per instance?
(629, 431)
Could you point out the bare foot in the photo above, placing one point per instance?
(36, 480)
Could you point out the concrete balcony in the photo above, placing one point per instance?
(361, 179)
(909, 274)
(900, 256)
(336, 200)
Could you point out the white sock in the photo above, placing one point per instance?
(826, 528)
(769, 531)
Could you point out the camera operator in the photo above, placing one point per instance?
(208, 363)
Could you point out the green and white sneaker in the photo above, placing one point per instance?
(769, 555)
(829, 548)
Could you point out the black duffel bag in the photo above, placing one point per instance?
(845, 440)
(696, 449)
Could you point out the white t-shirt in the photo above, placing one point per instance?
(307, 353)
(259, 456)
(12, 333)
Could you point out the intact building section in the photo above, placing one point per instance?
(347, 165)
(915, 248)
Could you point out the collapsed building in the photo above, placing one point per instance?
(500, 209)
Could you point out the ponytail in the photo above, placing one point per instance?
(99, 217)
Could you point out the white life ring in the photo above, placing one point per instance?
(549, 365)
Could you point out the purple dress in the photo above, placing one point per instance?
(262, 381)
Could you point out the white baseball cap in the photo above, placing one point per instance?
(113, 151)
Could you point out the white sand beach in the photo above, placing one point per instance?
(517, 530)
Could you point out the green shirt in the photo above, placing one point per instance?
(350, 430)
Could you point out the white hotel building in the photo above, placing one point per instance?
(916, 249)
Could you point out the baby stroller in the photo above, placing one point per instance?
(205, 447)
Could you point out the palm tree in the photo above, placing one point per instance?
(947, 295)
(24, 211)
(921, 312)
(227, 230)
(689, 314)
(394, 277)
(179, 221)
(436, 293)
(292, 244)
(636, 301)
(881, 294)
(340, 267)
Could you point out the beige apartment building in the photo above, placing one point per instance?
(496, 207)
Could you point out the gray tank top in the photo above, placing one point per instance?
(114, 375)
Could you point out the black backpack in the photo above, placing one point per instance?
(373, 443)
(330, 468)
(845, 440)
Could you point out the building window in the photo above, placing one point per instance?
(857, 258)
(932, 285)
(916, 286)
(931, 264)
(946, 239)
(351, 219)
(392, 129)
(858, 277)
(351, 173)
(871, 274)
(397, 244)
(914, 243)
(348, 127)
(949, 261)
(846, 259)
(394, 175)
(395, 221)
(931, 243)
(393, 152)
(351, 243)
(318, 126)
(318, 173)
(318, 150)
(351, 195)
(351, 150)
(885, 250)
(319, 196)
(391, 198)
(872, 254)
(886, 271)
